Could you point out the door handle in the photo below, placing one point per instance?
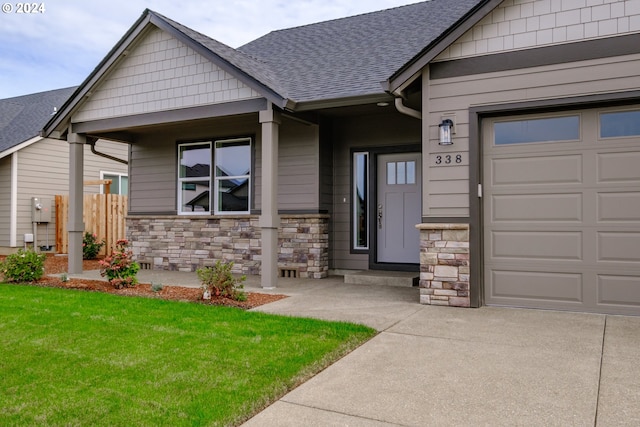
(380, 216)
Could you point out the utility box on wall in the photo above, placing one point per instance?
(40, 209)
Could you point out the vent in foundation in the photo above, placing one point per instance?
(145, 265)
(288, 272)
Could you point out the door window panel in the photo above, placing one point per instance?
(619, 124)
(537, 130)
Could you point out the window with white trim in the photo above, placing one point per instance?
(119, 183)
(194, 178)
(233, 175)
(221, 167)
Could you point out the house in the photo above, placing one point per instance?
(490, 145)
(34, 169)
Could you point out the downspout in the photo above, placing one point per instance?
(406, 110)
(92, 143)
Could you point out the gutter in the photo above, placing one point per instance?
(92, 143)
(406, 110)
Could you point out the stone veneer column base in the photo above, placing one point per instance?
(186, 243)
(444, 264)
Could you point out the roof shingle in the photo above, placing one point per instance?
(22, 117)
(350, 56)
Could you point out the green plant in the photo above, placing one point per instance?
(119, 267)
(91, 246)
(23, 266)
(220, 281)
(64, 277)
(156, 287)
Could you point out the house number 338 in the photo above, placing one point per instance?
(447, 159)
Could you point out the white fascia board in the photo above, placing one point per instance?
(20, 146)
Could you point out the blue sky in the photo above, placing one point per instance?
(61, 44)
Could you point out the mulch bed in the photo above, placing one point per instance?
(58, 264)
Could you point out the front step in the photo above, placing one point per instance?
(386, 278)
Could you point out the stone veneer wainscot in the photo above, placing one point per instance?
(444, 264)
(186, 243)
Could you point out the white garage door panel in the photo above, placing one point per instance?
(561, 220)
(527, 287)
(621, 247)
(618, 207)
(526, 170)
(550, 246)
(622, 291)
(536, 207)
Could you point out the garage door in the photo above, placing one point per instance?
(561, 211)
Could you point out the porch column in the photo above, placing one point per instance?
(76, 191)
(269, 219)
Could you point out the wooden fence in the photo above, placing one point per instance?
(103, 214)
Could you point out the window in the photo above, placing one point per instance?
(401, 173)
(119, 182)
(619, 124)
(233, 173)
(229, 180)
(194, 177)
(360, 201)
(537, 130)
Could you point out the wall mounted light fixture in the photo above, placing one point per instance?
(446, 129)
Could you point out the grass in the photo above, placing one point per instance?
(80, 358)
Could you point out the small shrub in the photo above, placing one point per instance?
(91, 246)
(119, 267)
(23, 266)
(156, 287)
(64, 277)
(219, 281)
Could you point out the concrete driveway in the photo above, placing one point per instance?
(440, 366)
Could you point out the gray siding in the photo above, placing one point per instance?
(326, 167)
(153, 185)
(298, 168)
(43, 171)
(446, 190)
(381, 130)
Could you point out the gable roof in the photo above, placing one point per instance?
(22, 117)
(344, 58)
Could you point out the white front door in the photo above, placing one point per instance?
(398, 208)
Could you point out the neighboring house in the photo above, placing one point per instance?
(528, 198)
(33, 166)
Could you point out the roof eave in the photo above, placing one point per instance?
(412, 69)
(342, 102)
(20, 146)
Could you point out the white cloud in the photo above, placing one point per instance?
(60, 47)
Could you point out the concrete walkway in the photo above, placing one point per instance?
(439, 366)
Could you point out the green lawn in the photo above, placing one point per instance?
(78, 358)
